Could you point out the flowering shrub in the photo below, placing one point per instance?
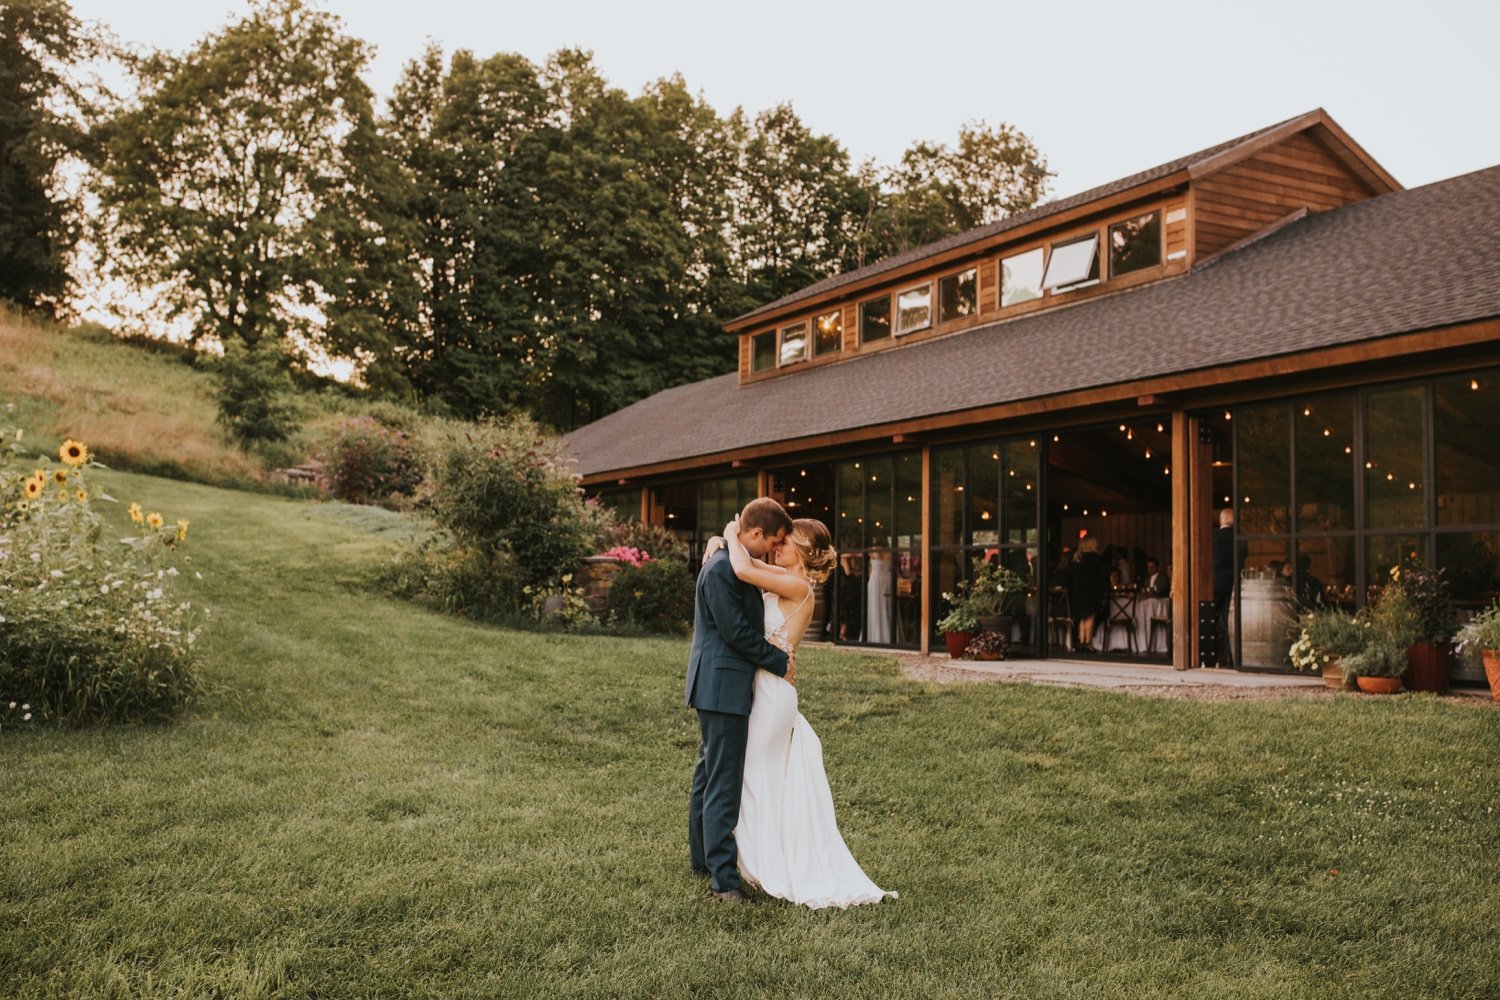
(1426, 593)
(659, 543)
(367, 462)
(89, 630)
(627, 554)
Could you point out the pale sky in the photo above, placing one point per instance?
(1103, 89)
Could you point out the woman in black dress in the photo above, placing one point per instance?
(1086, 584)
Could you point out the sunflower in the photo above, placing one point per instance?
(81, 495)
(60, 477)
(33, 488)
(182, 526)
(73, 453)
(154, 519)
(136, 516)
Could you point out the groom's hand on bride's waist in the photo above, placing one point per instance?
(791, 670)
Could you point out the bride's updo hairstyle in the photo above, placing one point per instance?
(816, 546)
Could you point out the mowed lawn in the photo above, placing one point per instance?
(376, 801)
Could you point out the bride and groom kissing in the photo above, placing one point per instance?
(761, 810)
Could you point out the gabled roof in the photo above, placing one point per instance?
(1194, 165)
(1403, 262)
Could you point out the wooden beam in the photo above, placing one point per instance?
(1184, 603)
(926, 617)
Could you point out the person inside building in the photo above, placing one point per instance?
(1086, 588)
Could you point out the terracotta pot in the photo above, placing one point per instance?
(957, 643)
(1429, 666)
(1492, 670)
(1378, 685)
(1333, 674)
(989, 655)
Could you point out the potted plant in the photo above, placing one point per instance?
(998, 594)
(1481, 635)
(1377, 668)
(1430, 653)
(986, 646)
(1325, 635)
(958, 625)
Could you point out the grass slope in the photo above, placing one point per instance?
(381, 802)
(142, 410)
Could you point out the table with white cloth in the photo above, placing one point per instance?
(1147, 607)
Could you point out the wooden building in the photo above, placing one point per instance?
(1273, 325)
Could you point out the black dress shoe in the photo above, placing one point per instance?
(732, 896)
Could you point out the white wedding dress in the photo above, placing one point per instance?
(788, 840)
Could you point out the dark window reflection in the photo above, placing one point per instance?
(1019, 489)
(763, 351)
(1325, 463)
(828, 333)
(948, 497)
(1467, 464)
(1134, 244)
(1395, 473)
(958, 295)
(1262, 437)
(984, 494)
(875, 319)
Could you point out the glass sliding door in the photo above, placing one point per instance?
(877, 585)
(984, 507)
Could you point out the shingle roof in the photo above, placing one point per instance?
(984, 232)
(1406, 261)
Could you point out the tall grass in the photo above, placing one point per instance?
(146, 410)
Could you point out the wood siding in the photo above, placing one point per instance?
(1249, 196)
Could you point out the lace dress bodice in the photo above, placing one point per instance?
(776, 633)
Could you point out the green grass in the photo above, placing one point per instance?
(380, 802)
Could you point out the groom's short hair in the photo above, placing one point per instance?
(765, 514)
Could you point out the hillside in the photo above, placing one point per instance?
(146, 410)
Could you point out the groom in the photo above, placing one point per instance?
(729, 643)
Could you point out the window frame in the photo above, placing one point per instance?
(815, 325)
(781, 359)
(1161, 242)
(889, 324)
(896, 328)
(1093, 277)
(754, 370)
(1000, 276)
(957, 277)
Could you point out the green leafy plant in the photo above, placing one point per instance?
(961, 617)
(985, 644)
(1380, 657)
(1426, 591)
(656, 595)
(560, 603)
(1324, 633)
(1480, 632)
(1394, 618)
(509, 515)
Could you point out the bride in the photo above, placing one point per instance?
(789, 842)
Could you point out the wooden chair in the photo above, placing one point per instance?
(1121, 615)
(1059, 619)
(1163, 622)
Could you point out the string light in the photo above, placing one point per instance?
(1473, 383)
(1227, 415)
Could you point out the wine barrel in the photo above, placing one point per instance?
(1268, 622)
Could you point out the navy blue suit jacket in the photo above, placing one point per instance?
(729, 641)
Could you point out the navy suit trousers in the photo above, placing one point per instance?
(715, 807)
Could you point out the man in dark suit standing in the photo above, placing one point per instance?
(729, 644)
(1225, 571)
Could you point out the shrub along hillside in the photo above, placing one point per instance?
(149, 410)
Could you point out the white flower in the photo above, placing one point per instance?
(12, 705)
(104, 588)
(171, 570)
(26, 717)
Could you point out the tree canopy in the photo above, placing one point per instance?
(504, 236)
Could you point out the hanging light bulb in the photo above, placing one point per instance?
(1160, 428)
(1148, 452)
(1473, 383)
